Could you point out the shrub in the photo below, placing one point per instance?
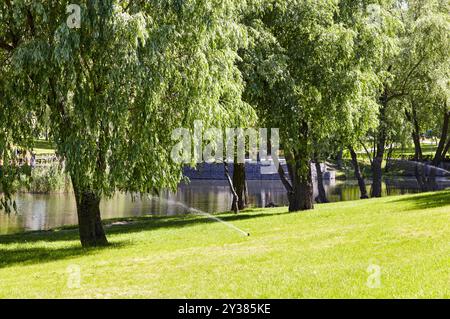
(48, 180)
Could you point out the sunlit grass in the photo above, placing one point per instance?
(43, 147)
(316, 254)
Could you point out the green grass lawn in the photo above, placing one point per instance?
(427, 150)
(325, 253)
(42, 147)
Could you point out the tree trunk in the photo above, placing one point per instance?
(358, 175)
(441, 146)
(445, 151)
(301, 195)
(380, 146)
(418, 155)
(420, 178)
(240, 185)
(389, 158)
(300, 189)
(412, 117)
(234, 204)
(377, 174)
(90, 224)
(322, 197)
(339, 158)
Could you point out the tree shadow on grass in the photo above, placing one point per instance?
(426, 200)
(131, 225)
(34, 255)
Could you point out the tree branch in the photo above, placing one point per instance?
(5, 46)
(367, 151)
(30, 22)
(284, 179)
(128, 5)
(233, 190)
(401, 92)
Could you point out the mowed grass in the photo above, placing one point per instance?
(42, 147)
(331, 252)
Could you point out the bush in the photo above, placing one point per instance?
(48, 180)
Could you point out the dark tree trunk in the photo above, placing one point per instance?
(412, 117)
(300, 189)
(358, 175)
(420, 177)
(446, 149)
(234, 204)
(339, 158)
(322, 197)
(389, 158)
(301, 195)
(286, 183)
(438, 157)
(377, 174)
(90, 224)
(240, 185)
(380, 146)
(419, 170)
(418, 155)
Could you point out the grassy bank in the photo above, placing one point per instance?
(329, 252)
(43, 148)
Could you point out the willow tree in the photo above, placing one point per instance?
(420, 31)
(308, 70)
(426, 99)
(115, 83)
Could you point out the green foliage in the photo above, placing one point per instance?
(426, 52)
(310, 69)
(417, 75)
(111, 93)
(48, 180)
(113, 90)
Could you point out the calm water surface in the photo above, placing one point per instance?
(41, 212)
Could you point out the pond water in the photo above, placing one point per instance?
(41, 212)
